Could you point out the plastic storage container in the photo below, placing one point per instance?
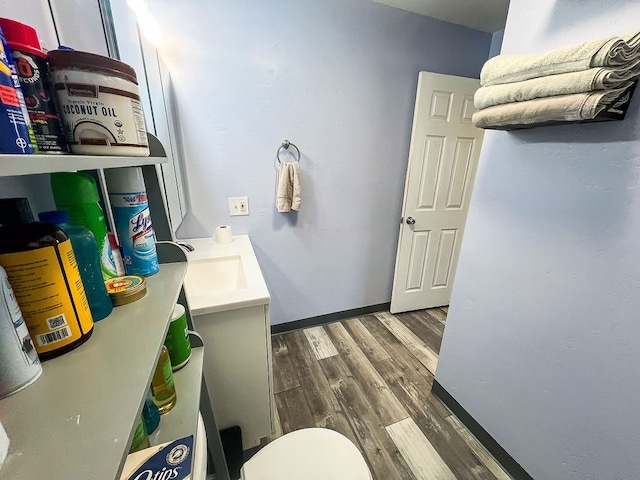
(43, 271)
(77, 194)
(85, 249)
(99, 104)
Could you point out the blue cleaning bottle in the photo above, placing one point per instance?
(130, 208)
(150, 413)
(85, 249)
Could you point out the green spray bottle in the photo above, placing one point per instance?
(77, 193)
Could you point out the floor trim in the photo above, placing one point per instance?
(328, 318)
(500, 454)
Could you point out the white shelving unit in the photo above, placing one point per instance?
(34, 164)
(12, 165)
(77, 420)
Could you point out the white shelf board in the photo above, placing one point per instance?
(77, 419)
(43, 163)
(182, 420)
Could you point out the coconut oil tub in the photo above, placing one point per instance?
(99, 103)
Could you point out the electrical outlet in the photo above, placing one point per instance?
(238, 206)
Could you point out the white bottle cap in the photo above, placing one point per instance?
(125, 180)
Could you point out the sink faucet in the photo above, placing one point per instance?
(187, 246)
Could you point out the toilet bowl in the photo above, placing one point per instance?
(309, 454)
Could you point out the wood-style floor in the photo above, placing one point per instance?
(370, 378)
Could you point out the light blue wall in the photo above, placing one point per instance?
(496, 43)
(542, 345)
(336, 77)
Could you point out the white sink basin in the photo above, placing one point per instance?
(223, 277)
(206, 276)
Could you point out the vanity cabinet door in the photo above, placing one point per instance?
(237, 369)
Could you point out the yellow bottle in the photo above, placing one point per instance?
(163, 388)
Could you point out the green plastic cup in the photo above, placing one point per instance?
(177, 341)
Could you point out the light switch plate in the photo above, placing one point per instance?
(238, 206)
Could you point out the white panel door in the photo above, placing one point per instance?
(443, 157)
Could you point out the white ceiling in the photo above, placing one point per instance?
(485, 15)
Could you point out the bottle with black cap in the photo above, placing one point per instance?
(44, 274)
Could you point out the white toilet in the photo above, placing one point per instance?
(309, 454)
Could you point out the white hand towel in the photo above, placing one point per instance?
(605, 52)
(289, 193)
(296, 200)
(284, 189)
(563, 108)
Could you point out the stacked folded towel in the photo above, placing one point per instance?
(573, 83)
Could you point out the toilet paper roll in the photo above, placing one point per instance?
(223, 234)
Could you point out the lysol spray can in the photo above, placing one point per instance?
(18, 358)
(128, 196)
(15, 130)
(35, 81)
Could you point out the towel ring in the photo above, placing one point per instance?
(286, 144)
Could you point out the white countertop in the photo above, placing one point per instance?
(202, 299)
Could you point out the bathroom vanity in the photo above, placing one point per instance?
(229, 304)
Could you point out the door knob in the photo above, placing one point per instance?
(411, 220)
